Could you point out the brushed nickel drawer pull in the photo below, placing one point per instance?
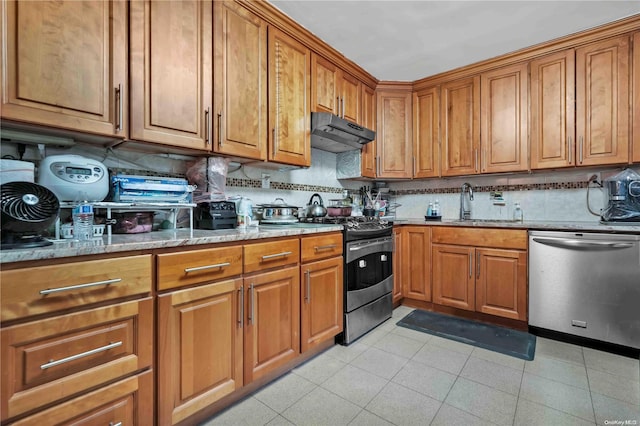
(273, 256)
(80, 355)
(327, 247)
(200, 268)
(79, 286)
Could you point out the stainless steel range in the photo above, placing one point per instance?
(368, 274)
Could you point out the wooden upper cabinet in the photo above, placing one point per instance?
(289, 100)
(602, 102)
(335, 91)
(426, 133)
(64, 64)
(553, 110)
(171, 72)
(636, 99)
(350, 102)
(394, 148)
(460, 126)
(240, 82)
(504, 139)
(369, 119)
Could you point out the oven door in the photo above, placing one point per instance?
(369, 271)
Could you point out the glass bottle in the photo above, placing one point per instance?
(518, 215)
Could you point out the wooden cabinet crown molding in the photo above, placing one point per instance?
(611, 29)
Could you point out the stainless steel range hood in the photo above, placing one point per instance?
(334, 134)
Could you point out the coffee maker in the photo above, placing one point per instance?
(624, 198)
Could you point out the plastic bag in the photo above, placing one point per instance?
(210, 176)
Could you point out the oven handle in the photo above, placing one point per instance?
(363, 246)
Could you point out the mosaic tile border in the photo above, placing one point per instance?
(285, 186)
(494, 188)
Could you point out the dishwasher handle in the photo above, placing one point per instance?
(579, 244)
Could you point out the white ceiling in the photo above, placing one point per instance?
(409, 40)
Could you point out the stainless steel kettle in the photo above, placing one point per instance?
(315, 209)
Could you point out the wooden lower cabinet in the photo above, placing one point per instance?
(416, 262)
(321, 301)
(127, 402)
(272, 321)
(199, 348)
(470, 274)
(52, 359)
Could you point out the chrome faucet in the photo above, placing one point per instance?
(465, 214)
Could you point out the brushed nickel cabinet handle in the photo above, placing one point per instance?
(219, 128)
(115, 424)
(413, 172)
(275, 142)
(478, 265)
(307, 296)
(206, 126)
(241, 307)
(80, 355)
(581, 149)
(327, 247)
(251, 301)
(342, 106)
(273, 256)
(569, 150)
(476, 161)
(80, 286)
(119, 107)
(470, 266)
(201, 268)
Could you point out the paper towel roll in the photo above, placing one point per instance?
(16, 171)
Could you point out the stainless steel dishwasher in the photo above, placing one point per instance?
(586, 285)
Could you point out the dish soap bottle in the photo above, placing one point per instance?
(436, 208)
(518, 216)
(430, 210)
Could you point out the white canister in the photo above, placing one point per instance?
(16, 171)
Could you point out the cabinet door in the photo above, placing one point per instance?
(553, 110)
(453, 279)
(289, 100)
(350, 102)
(321, 315)
(64, 64)
(171, 72)
(416, 267)
(272, 321)
(199, 348)
(398, 256)
(504, 139)
(240, 82)
(426, 133)
(602, 102)
(501, 283)
(460, 126)
(394, 150)
(369, 119)
(636, 99)
(325, 96)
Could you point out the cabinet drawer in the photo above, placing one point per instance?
(271, 255)
(33, 291)
(321, 247)
(50, 359)
(198, 266)
(480, 237)
(127, 402)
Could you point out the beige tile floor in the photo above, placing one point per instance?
(397, 376)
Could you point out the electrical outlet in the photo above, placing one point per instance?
(266, 181)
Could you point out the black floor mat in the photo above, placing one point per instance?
(516, 343)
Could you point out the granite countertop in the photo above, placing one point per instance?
(159, 239)
(528, 225)
(182, 237)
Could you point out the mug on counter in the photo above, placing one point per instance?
(243, 221)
